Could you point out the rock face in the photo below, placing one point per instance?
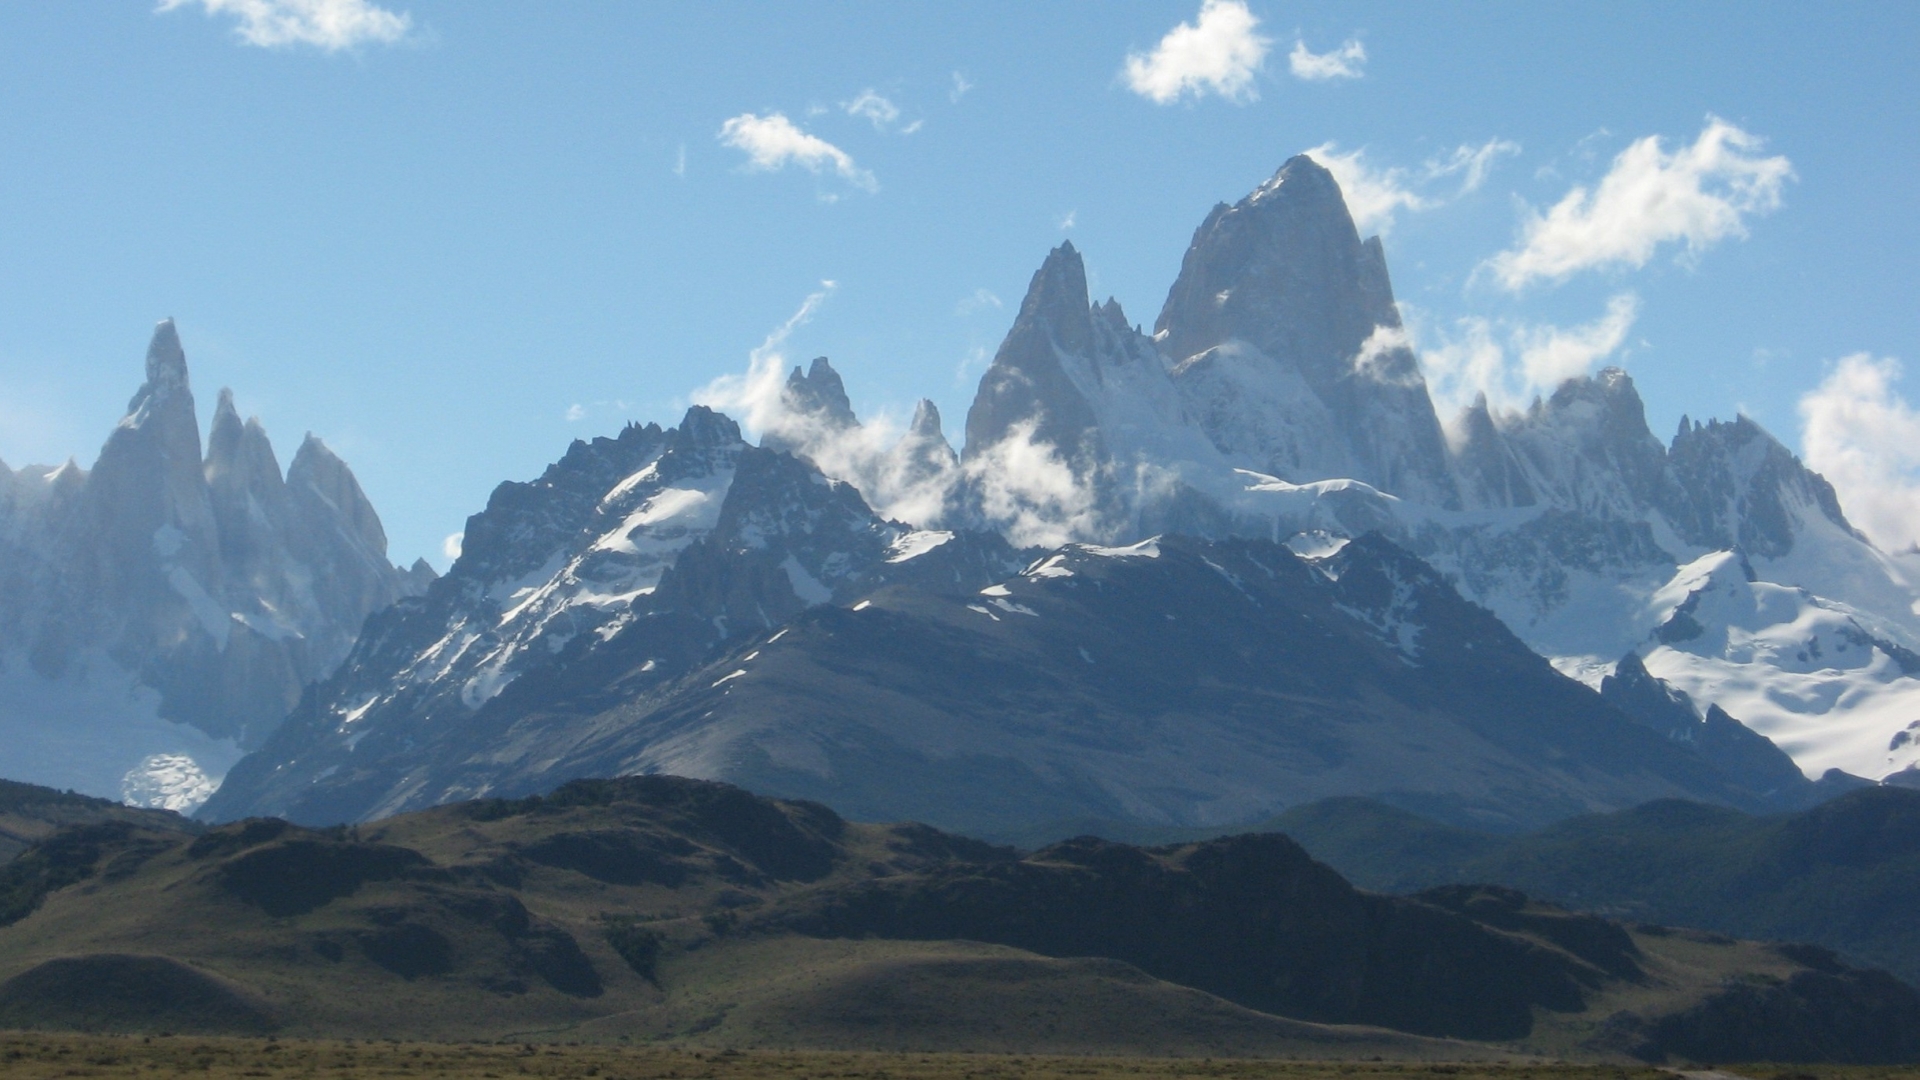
(802, 645)
(1278, 294)
(618, 571)
(190, 596)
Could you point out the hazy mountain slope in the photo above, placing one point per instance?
(1845, 875)
(161, 612)
(677, 909)
(1179, 682)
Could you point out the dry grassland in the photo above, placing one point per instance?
(32, 1056)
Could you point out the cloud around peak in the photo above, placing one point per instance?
(1512, 362)
(1344, 62)
(1863, 436)
(329, 25)
(1696, 195)
(1375, 194)
(772, 141)
(1220, 52)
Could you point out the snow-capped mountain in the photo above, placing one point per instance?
(160, 613)
(616, 571)
(1277, 397)
(726, 611)
(630, 610)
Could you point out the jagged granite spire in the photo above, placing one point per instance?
(250, 503)
(326, 490)
(821, 394)
(1025, 383)
(1283, 273)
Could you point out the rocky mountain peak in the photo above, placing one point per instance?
(704, 429)
(319, 479)
(926, 421)
(1283, 270)
(1737, 485)
(239, 455)
(1026, 383)
(1056, 300)
(820, 394)
(166, 360)
(1281, 312)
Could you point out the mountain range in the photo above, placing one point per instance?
(1181, 578)
(1189, 577)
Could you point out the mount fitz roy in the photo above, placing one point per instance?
(994, 639)
(1187, 577)
(1277, 397)
(160, 613)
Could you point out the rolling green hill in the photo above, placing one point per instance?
(693, 913)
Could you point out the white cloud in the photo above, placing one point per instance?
(878, 111)
(980, 300)
(1858, 432)
(1342, 63)
(1031, 494)
(1373, 195)
(867, 455)
(1219, 52)
(771, 141)
(680, 161)
(1067, 222)
(1513, 362)
(1471, 163)
(961, 84)
(1020, 485)
(1699, 195)
(331, 25)
(451, 546)
(1376, 358)
(576, 411)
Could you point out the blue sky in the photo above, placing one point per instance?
(449, 237)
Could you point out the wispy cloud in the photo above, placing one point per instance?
(980, 300)
(1471, 163)
(680, 161)
(1858, 432)
(772, 141)
(1066, 223)
(961, 84)
(1697, 195)
(1375, 194)
(1512, 362)
(1220, 52)
(1342, 63)
(330, 25)
(874, 455)
(882, 113)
